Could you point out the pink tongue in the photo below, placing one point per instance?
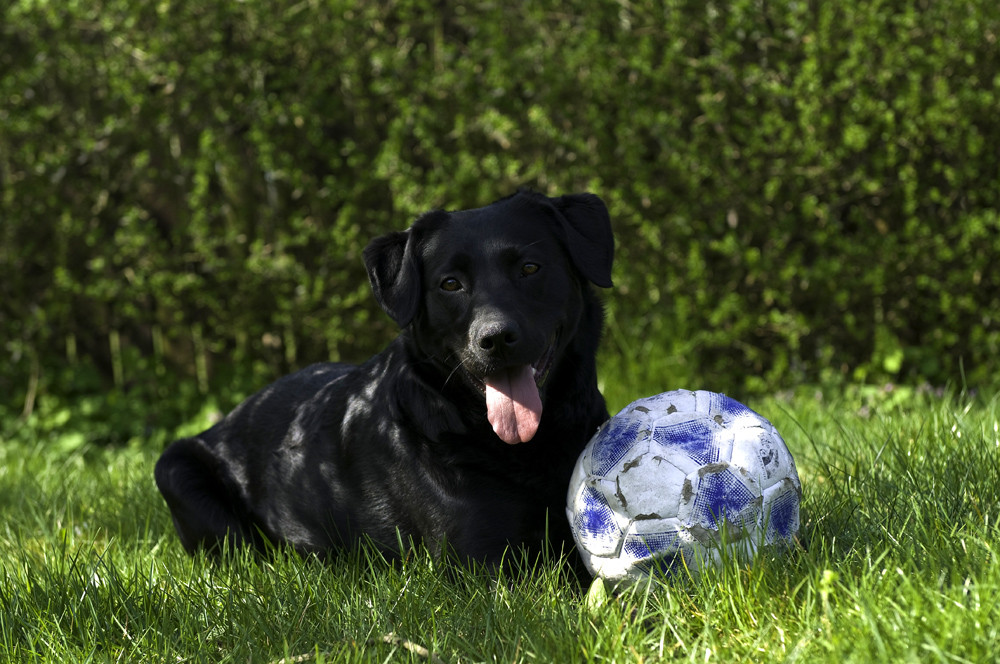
(513, 405)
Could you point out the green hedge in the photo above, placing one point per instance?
(800, 191)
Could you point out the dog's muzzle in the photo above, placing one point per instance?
(513, 401)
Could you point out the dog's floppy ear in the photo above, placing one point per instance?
(394, 275)
(587, 225)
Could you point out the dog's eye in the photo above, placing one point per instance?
(530, 268)
(451, 285)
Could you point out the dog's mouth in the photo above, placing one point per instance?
(513, 400)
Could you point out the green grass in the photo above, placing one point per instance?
(900, 509)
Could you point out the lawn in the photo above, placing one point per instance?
(900, 507)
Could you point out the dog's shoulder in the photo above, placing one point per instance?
(390, 388)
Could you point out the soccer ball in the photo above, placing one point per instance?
(678, 481)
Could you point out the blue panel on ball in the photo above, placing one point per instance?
(595, 520)
(615, 440)
(784, 517)
(656, 553)
(696, 438)
(664, 565)
(641, 547)
(720, 495)
(731, 407)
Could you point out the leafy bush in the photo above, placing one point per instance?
(800, 191)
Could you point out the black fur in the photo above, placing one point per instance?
(399, 448)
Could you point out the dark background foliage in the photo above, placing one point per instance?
(801, 191)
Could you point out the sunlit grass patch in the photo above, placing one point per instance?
(899, 562)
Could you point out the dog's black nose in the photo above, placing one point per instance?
(498, 337)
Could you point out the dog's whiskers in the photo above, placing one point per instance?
(458, 366)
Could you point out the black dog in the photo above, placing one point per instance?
(464, 430)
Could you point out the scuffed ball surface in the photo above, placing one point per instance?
(672, 478)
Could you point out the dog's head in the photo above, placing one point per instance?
(493, 295)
